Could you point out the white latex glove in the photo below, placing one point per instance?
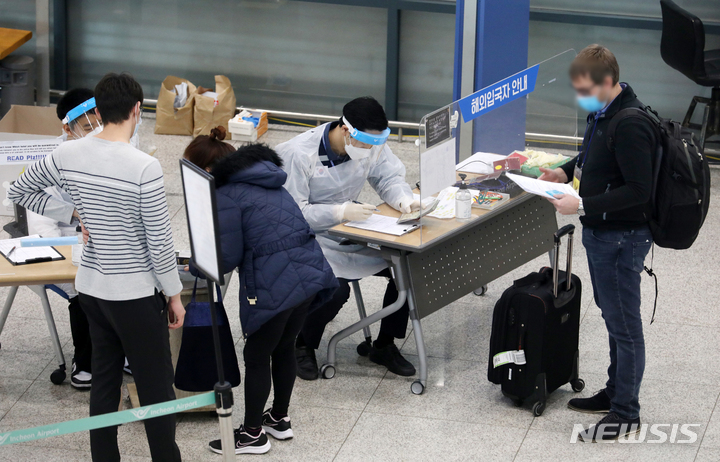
(356, 212)
(408, 203)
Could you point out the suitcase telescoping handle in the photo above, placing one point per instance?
(569, 230)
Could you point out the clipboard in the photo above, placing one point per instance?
(383, 224)
(27, 255)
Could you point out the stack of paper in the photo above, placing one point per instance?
(542, 188)
(10, 249)
(480, 162)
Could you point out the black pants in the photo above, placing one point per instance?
(394, 325)
(274, 340)
(80, 330)
(137, 329)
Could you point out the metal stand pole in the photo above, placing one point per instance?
(223, 390)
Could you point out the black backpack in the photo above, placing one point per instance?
(681, 180)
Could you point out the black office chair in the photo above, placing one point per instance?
(683, 48)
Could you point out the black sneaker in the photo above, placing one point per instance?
(611, 427)
(278, 429)
(598, 404)
(390, 357)
(245, 443)
(307, 368)
(81, 380)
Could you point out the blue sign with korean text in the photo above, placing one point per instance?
(498, 94)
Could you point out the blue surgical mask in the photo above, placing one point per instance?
(590, 103)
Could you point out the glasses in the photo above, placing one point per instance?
(584, 91)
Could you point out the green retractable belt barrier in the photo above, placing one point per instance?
(107, 420)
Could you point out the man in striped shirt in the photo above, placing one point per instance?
(128, 261)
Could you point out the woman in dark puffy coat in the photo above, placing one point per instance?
(283, 276)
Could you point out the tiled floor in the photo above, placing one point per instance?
(365, 413)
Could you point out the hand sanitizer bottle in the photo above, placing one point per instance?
(463, 201)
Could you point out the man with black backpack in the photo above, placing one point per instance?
(615, 184)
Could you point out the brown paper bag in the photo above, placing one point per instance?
(171, 121)
(207, 114)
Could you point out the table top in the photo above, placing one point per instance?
(11, 39)
(52, 272)
(433, 230)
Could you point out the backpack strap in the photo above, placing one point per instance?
(643, 113)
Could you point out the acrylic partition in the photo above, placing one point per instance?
(470, 134)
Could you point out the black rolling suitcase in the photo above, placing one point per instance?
(535, 330)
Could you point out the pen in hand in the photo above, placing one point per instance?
(360, 203)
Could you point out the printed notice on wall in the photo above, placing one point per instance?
(437, 127)
(26, 152)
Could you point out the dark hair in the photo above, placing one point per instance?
(72, 99)
(365, 113)
(115, 96)
(205, 150)
(597, 62)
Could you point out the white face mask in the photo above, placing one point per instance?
(137, 124)
(95, 131)
(355, 152)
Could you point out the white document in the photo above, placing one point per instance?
(383, 224)
(437, 168)
(480, 162)
(542, 188)
(23, 254)
(15, 156)
(26, 151)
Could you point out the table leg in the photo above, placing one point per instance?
(418, 386)
(59, 374)
(6, 307)
(364, 348)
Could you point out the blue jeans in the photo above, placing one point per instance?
(616, 259)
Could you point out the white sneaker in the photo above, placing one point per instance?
(80, 379)
(126, 367)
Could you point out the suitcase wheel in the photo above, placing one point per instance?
(538, 408)
(577, 385)
(481, 291)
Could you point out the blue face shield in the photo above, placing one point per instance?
(590, 103)
(81, 120)
(374, 140)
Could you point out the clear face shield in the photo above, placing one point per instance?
(361, 145)
(82, 120)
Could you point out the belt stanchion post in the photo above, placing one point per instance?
(203, 229)
(223, 389)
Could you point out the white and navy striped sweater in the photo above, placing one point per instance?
(120, 196)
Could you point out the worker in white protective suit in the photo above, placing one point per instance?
(327, 168)
(76, 110)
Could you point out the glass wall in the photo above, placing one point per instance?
(427, 42)
(638, 54)
(296, 56)
(704, 9)
(313, 57)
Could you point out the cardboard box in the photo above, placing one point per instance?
(20, 126)
(32, 120)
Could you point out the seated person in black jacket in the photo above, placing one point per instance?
(614, 208)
